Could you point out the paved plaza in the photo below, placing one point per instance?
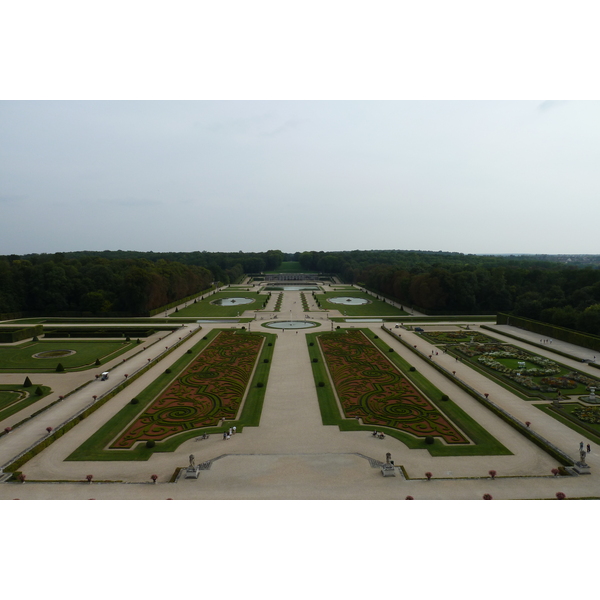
(292, 455)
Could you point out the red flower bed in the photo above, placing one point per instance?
(210, 389)
(371, 388)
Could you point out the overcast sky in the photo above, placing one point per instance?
(472, 177)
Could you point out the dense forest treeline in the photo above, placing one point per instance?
(117, 282)
(448, 282)
(435, 282)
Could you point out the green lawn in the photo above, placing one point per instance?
(14, 398)
(204, 308)
(375, 308)
(95, 447)
(484, 443)
(20, 357)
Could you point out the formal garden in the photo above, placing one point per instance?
(67, 355)
(223, 304)
(355, 303)
(529, 375)
(222, 378)
(387, 394)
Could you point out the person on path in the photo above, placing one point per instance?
(580, 445)
(589, 449)
(224, 435)
(234, 429)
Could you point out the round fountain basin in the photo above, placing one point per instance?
(290, 324)
(348, 300)
(232, 301)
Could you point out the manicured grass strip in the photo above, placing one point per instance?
(20, 358)
(374, 308)
(94, 448)
(14, 398)
(484, 443)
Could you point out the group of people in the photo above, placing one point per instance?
(379, 434)
(227, 434)
(588, 449)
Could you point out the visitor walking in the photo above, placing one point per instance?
(589, 449)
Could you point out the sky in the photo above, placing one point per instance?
(256, 127)
(462, 176)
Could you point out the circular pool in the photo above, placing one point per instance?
(290, 324)
(348, 300)
(232, 301)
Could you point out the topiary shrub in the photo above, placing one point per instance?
(38, 391)
(127, 339)
(413, 369)
(429, 439)
(375, 337)
(59, 368)
(137, 341)
(97, 363)
(391, 350)
(338, 327)
(205, 338)
(315, 360)
(312, 344)
(27, 382)
(266, 360)
(189, 352)
(260, 384)
(321, 384)
(150, 444)
(270, 344)
(167, 371)
(135, 401)
(445, 398)
(35, 338)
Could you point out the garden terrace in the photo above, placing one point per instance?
(530, 376)
(370, 388)
(182, 412)
(482, 443)
(209, 390)
(373, 307)
(463, 336)
(205, 307)
(73, 355)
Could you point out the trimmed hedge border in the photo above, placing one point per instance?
(25, 456)
(537, 439)
(571, 336)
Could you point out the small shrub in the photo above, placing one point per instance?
(135, 401)
(270, 344)
(555, 472)
(315, 360)
(97, 363)
(412, 369)
(167, 371)
(445, 398)
(428, 475)
(27, 382)
(137, 341)
(409, 498)
(35, 338)
(338, 327)
(429, 439)
(487, 497)
(321, 384)
(38, 391)
(150, 444)
(492, 474)
(59, 368)
(391, 350)
(260, 384)
(189, 352)
(560, 496)
(205, 338)
(375, 337)
(266, 360)
(312, 344)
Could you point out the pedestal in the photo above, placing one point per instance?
(581, 468)
(192, 472)
(388, 470)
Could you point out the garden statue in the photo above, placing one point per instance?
(388, 458)
(582, 455)
(192, 461)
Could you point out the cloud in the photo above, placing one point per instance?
(550, 104)
(8, 198)
(289, 124)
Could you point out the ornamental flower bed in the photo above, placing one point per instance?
(210, 389)
(588, 414)
(454, 337)
(371, 388)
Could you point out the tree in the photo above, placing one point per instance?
(27, 382)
